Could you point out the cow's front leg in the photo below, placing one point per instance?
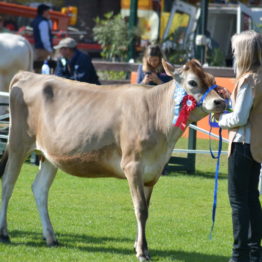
(133, 173)
(148, 192)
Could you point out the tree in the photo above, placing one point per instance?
(113, 34)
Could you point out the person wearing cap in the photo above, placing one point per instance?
(74, 64)
(42, 30)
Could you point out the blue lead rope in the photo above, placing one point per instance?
(205, 94)
(216, 178)
(178, 97)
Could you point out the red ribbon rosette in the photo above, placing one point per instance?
(188, 104)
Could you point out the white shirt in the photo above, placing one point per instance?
(239, 118)
(44, 34)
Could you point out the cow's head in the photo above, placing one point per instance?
(196, 82)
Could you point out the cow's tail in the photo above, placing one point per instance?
(3, 162)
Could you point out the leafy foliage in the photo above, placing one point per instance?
(112, 75)
(113, 34)
(215, 57)
(174, 47)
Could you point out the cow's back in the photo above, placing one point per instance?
(16, 54)
(15, 51)
(73, 121)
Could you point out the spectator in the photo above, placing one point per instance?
(151, 71)
(245, 150)
(3, 29)
(74, 64)
(42, 28)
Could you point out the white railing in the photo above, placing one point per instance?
(195, 151)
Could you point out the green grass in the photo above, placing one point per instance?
(94, 219)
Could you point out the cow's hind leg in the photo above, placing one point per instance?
(133, 172)
(12, 167)
(40, 189)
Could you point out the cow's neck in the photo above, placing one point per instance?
(160, 98)
(197, 115)
(163, 103)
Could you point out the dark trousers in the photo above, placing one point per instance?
(243, 178)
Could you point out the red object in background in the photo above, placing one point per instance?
(58, 18)
(58, 35)
(60, 24)
(10, 26)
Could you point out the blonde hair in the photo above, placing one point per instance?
(247, 50)
(152, 50)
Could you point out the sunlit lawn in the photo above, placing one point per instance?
(94, 219)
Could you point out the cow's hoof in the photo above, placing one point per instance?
(53, 244)
(143, 258)
(5, 239)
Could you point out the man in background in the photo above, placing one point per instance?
(42, 29)
(74, 64)
(3, 29)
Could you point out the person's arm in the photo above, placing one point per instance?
(165, 78)
(140, 75)
(61, 68)
(44, 35)
(155, 79)
(240, 115)
(82, 69)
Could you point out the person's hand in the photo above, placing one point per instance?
(154, 78)
(216, 116)
(146, 79)
(223, 92)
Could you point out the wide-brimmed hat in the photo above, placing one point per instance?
(66, 42)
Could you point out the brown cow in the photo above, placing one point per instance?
(94, 131)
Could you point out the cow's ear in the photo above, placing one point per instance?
(169, 69)
(177, 75)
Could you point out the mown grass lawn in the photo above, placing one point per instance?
(94, 219)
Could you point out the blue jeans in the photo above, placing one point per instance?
(243, 178)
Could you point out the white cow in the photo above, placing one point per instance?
(16, 54)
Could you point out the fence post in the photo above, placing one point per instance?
(191, 167)
(132, 24)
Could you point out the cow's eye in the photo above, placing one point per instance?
(193, 83)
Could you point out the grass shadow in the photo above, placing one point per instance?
(86, 243)
(68, 237)
(174, 255)
(208, 175)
